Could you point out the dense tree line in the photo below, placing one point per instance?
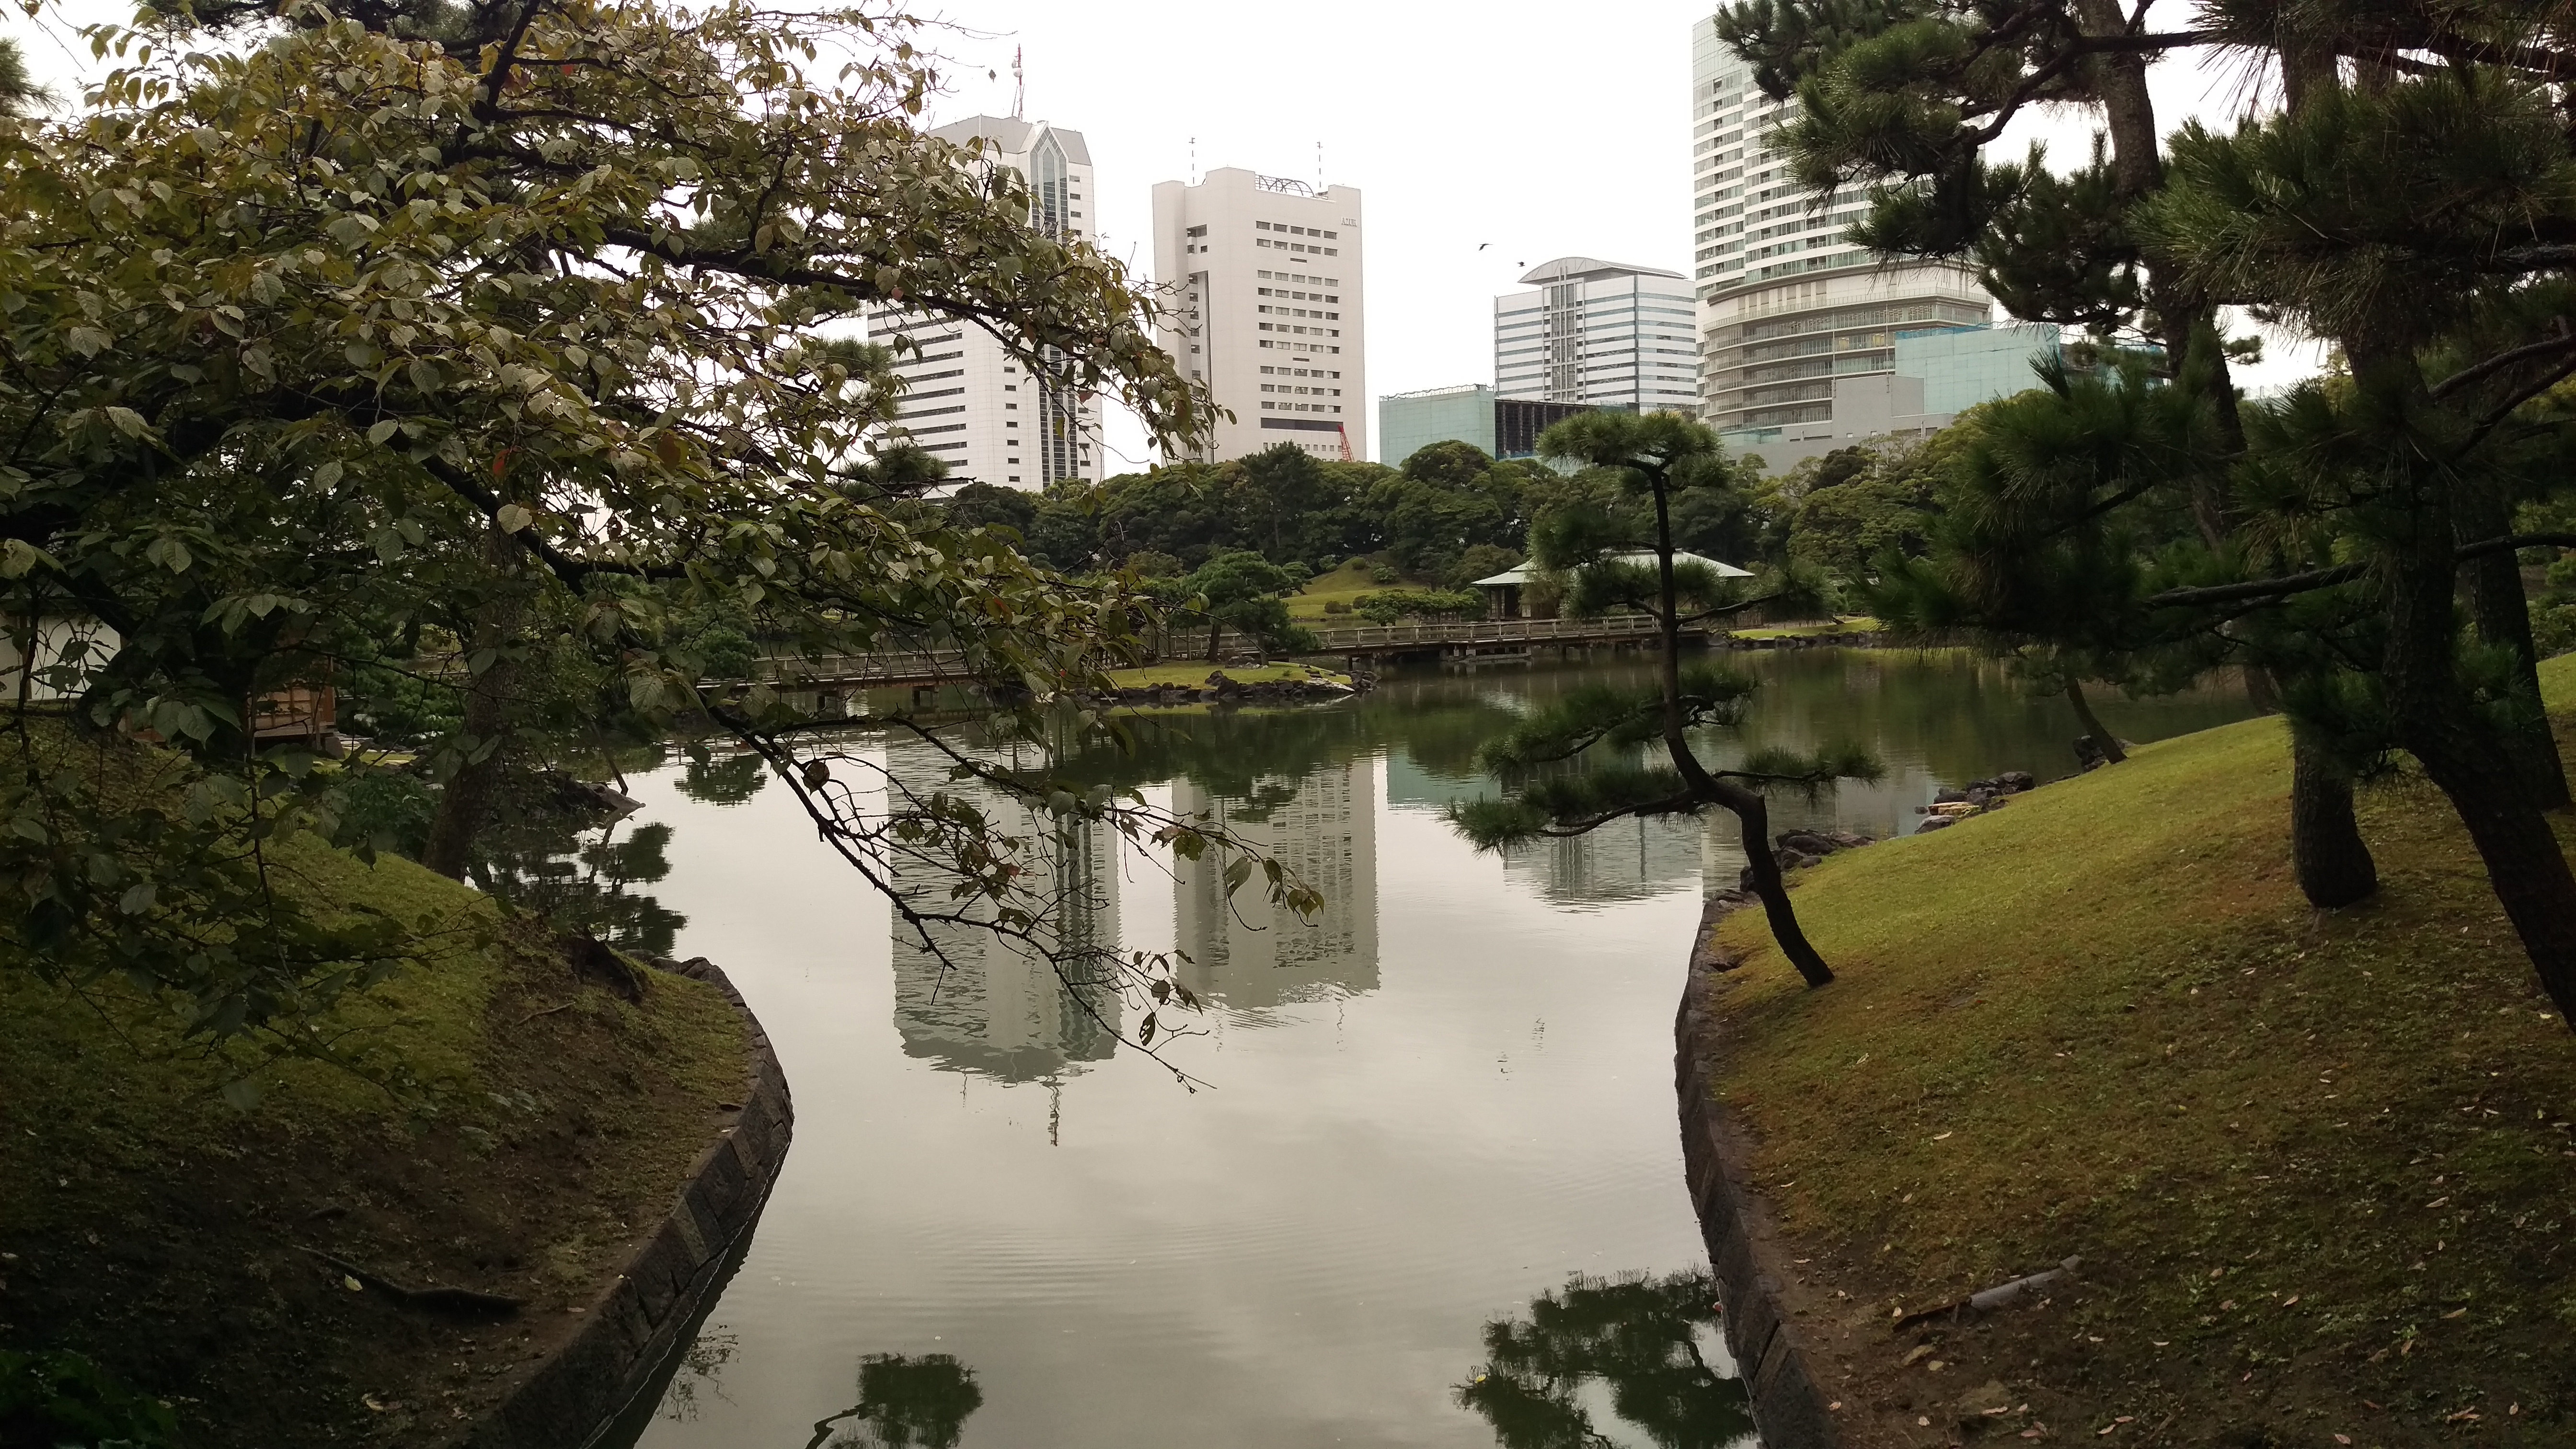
(1450, 514)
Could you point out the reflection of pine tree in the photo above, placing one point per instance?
(904, 1402)
(1638, 1338)
(582, 880)
(723, 779)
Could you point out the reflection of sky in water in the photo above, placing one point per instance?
(1428, 1106)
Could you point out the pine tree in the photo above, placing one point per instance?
(1905, 97)
(2415, 203)
(1655, 458)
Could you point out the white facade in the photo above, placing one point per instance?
(967, 399)
(1251, 954)
(1262, 277)
(1601, 334)
(1787, 305)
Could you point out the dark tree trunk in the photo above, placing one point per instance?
(1751, 811)
(2524, 861)
(1216, 638)
(2437, 720)
(2502, 612)
(466, 801)
(2326, 848)
(2103, 739)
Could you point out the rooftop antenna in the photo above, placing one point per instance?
(1194, 160)
(1019, 85)
(1319, 169)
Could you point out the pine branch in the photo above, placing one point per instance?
(2327, 578)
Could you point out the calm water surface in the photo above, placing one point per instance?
(1427, 1111)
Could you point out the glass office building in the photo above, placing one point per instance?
(1598, 333)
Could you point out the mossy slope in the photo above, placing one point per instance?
(540, 1125)
(2319, 1165)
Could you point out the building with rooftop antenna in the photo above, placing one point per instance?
(1263, 282)
(967, 399)
(1600, 334)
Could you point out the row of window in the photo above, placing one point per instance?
(1302, 331)
(1269, 276)
(1299, 312)
(1299, 296)
(1317, 347)
(1295, 230)
(1263, 241)
(1299, 372)
(1301, 407)
(1311, 391)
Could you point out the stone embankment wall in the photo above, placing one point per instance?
(635, 1325)
(1743, 1253)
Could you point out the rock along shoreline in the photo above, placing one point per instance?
(639, 1322)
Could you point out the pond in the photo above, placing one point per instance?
(1431, 1192)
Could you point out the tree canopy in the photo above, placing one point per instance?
(2408, 203)
(325, 322)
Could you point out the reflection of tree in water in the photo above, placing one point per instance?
(904, 1402)
(723, 779)
(701, 1368)
(1637, 1339)
(578, 864)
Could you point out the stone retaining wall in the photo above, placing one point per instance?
(1789, 1406)
(631, 1331)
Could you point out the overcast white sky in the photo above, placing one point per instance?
(1487, 138)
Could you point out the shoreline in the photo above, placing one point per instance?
(637, 1325)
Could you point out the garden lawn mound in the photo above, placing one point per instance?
(1343, 586)
(2320, 1167)
(543, 1129)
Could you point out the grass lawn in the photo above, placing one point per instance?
(1342, 585)
(1195, 672)
(2319, 1165)
(1855, 624)
(541, 1125)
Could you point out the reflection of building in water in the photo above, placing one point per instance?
(1246, 952)
(1623, 860)
(996, 1006)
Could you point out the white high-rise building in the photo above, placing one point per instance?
(1600, 334)
(1263, 281)
(1794, 318)
(968, 400)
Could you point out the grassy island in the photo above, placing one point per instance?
(2320, 1167)
(532, 1127)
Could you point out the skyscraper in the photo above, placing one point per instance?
(1791, 315)
(1598, 333)
(968, 399)
(1263, 277)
